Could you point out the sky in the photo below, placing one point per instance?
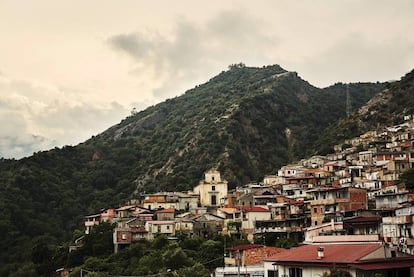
(70, 69)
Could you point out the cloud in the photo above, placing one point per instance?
(192, 51)
(356, 57)
(140, 54)
(39, 117)
(15, 142)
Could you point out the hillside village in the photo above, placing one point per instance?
(352, 197)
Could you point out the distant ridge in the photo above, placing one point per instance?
(387, 108)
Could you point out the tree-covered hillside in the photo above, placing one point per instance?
(246, 122)
(386, 108)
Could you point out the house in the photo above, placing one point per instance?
(295, 190)
(399, 161)
(272, 180)
(250, 197)
(107, 215)
(366, 158)
(155, 227)
(90, 221)
(165, 214)
(358, 259)
(122, 236)
(290, 170)
(391, 197)
(287, 220)
(231, 220)
(398, 229)
(329, 202)
(333, 228)
(125, 211)
(166, 200)
(334, 166)
(249, 216)
(184, 224)
(265, 199)
(207, 225)
(362, 225)
(246, 260)
(212, 191)
(314, 162)
(158, 201)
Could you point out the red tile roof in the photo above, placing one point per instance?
(398, 262)
(333, 253)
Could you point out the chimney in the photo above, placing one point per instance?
(321, 253)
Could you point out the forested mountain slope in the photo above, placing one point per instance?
(246, 122)
(386, 108)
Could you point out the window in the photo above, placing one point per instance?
(272, 273)
(295, 272)
(124, 236)
(315, 210)
(213, 188)
(213, 200)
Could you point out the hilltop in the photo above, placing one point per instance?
(246, 122)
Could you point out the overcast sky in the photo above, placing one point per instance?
(70, 69)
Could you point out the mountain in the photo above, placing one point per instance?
(246, 122)
(387, 108)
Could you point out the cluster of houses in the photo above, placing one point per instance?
(348, 210)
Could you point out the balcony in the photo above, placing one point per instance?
(404, 219)
(329, 201)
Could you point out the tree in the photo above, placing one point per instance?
(197, 270)
(407, 177)
(42, 258)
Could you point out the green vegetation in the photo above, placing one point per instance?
(385, 109)
(408, 179)
(246, 122)
(181, 258)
